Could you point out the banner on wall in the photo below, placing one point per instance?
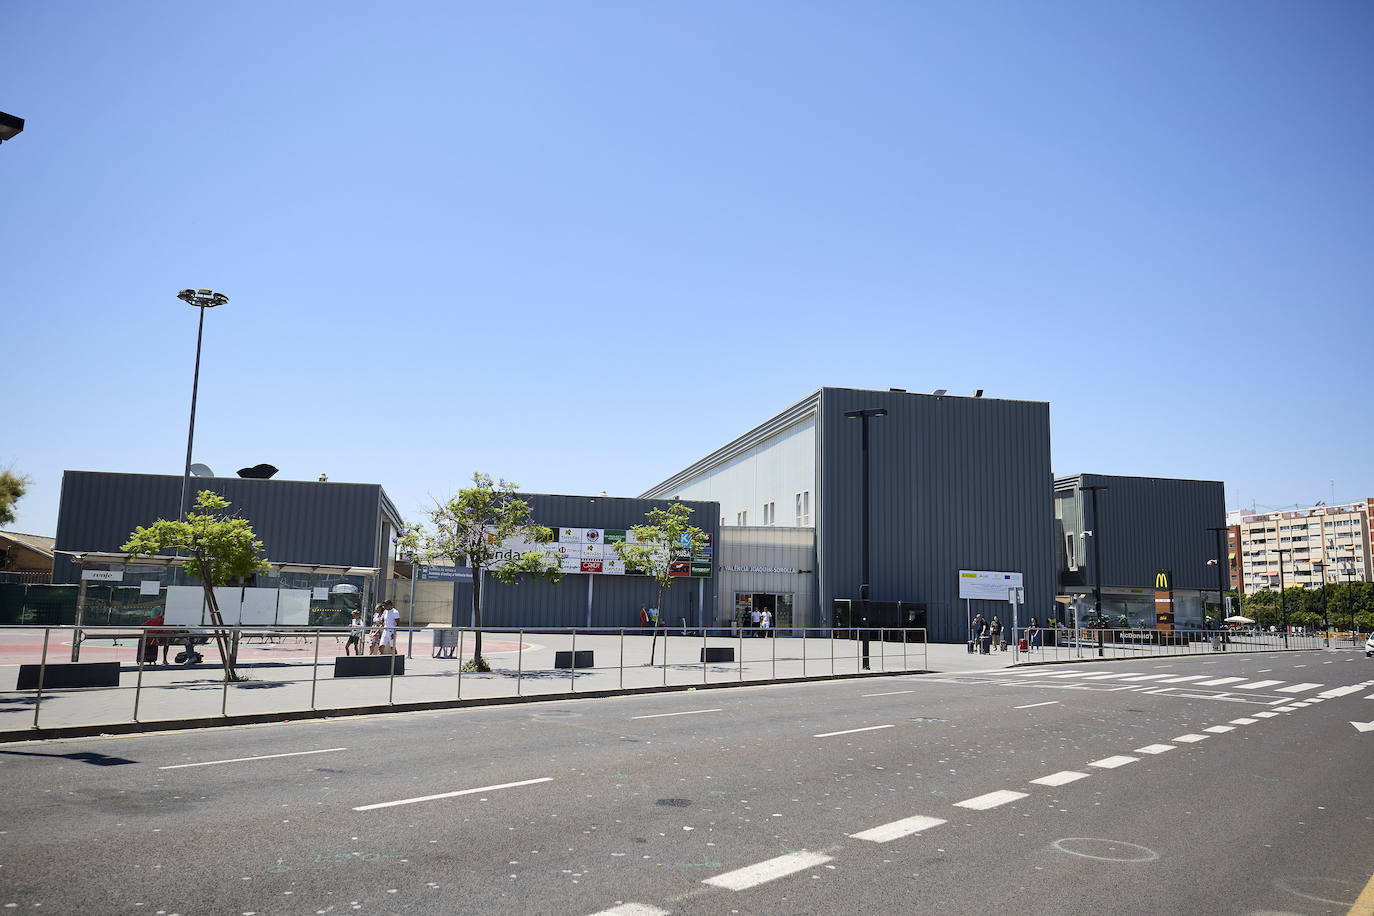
(592, 551)
(987, 586)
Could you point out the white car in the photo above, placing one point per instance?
(1369, 646)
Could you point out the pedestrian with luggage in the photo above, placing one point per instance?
(1033, 635)
(152, 638)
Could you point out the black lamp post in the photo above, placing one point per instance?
(1349, 597)
(1283, 598)
(1096, 534)
(1326, 623)
(1221, 573)
(202, 299)
(862, 416)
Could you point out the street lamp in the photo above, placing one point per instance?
(863, 416)
(10, 126)
(1326, 623)
(1349, 599)
(202, 299)
(1283, 599)
(1097, 563)
(1221, 573)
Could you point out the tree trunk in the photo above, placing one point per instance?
(477, 613)
(657, 622)
(216, 621)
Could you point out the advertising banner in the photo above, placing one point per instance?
(988, 586)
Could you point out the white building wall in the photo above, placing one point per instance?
(774, 471)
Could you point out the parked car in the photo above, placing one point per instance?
(1369, 646)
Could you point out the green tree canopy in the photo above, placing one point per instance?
(667, 538)
(12, 487)
(222, 547)
(469, 528)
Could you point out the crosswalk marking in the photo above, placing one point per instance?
(1220, 729)
(898, 829)
(753, 875)
(1265, 715)
(1154, 748)
(1218, 681)
(632, 909)
(1256, 685)
(1339, 692)
(1144, 677)
(1111, 763)
(990, 800)
(1190, 738)
(1180, 680)
(1244, 720)
(1063, 777)
(1298, 688)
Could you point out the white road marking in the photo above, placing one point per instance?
(1220, 729)
(898, 829)
(1339, 692)
(425, 798)
(1265, 715)
(1111, 763)
(850, 731)
(1285, 708)
(206, 763)
(891, 693)
(1370, 697)
(690, 712)
(1256, 685)
(1180, 680)
(1155, 748)
(990, 800)
(1190, 739)
(1244, 720)
(1219, 680)
(632, 909)
(1159, 690)
(1297, 688)
(1103, 677)
(1144, 677)
(1062, 778)
(753, 875)
(1033, 705)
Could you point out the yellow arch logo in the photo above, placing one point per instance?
(1164, 580)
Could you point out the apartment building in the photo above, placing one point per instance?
(1305, 547)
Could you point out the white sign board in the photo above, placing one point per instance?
(988, 586)
(320, 593)
(103, 575)
(150, 587)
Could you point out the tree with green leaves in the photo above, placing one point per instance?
(471, 529)
(668, 539)
(12, 487)
(221, 549)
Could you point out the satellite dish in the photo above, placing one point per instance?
(258, 471)
(201, 470)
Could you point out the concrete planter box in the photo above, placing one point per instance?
(566, 660)
(718, 654)
(69, 674)
(368, 665)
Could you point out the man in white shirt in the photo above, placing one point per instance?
(390, 619)
(766, 621)
(754, 619)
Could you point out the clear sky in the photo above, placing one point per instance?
(581, 245)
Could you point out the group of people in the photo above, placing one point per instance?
(761, 622)
(381, 635)
(986, 634)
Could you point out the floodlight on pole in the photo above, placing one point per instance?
(863, 416)
(202, 299)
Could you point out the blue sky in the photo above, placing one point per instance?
(582, 245)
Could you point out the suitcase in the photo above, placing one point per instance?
(1023, 646)
(970, 647)
(149, 651)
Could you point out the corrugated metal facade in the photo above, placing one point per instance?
(604, 601)
(1147, 524)
(305, 522)
(779, 561)
(956, 483)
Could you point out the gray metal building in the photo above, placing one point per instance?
(299, 522)
(590, 599)
(956, 483)
(1143, 525)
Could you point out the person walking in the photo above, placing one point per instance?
(356, 629)
(755, 618)
(766, 622)
(374, 637)
(390, 618)
(1032, 635)
(996, 631)
(981, 633)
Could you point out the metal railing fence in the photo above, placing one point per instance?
(1051, 644)
(298, 669)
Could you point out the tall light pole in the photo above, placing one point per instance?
(1096, 533)
(202, 299)
(862, 416)
(1221, 573)
(1349, 598)
(1283, 599)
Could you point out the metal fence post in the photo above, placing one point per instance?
(391, 680)
(804, 638)
(572, 667)
(460, 662)
(832, 651)
(904, 663)
(665, 656)
(519, 662)
(703, 655)
(42, 672)
(315, 671)
(138, 685)
(774, 640)
(622, 658)
(740, 631)
(882, 648)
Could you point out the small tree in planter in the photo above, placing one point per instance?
(668, 532)
(222, 550)
(468, 529)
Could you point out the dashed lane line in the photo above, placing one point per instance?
(1033, 705)
(1265, 715)
(425, 798)
(1256, 685)
(1111, 763)
(1156, 748)
(851, 731)
(1062, 778)
(1218, 681)
(742, 879)
(1220, 729)
(990, 800)
(1285, 708)
(1185, 678)
(1298, 688)
(1145, 677)
(632, 909)
(1244, 720)
(1190, 738)
(664, 715)
(890, 693)
(898, 829)
(206, 763)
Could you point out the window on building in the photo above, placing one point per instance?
(806, 507)
(1069, 551)
(742, 517)
(769, 514)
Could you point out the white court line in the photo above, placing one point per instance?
(1219, 680)
(1033, 705)
(889, 694)
(898, 829)
(1190, 739)
(1155, 748)
(1256, 685)
(850, 731)
(1339, 692)
(182, 766)
(990, 800)
(753, 875)
(690, 712)
(425, 798)
(1220, 729)
(1297, 688)
(1244, 720)
(1062, 778)
(1180, 680)
(632, 909)
(1111, 763)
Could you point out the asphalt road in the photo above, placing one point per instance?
(1230, 784)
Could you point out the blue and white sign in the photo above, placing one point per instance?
(445, 573)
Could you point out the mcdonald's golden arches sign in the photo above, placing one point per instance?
(1164, 580)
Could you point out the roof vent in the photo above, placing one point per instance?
(940, 391)
(898, 390)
